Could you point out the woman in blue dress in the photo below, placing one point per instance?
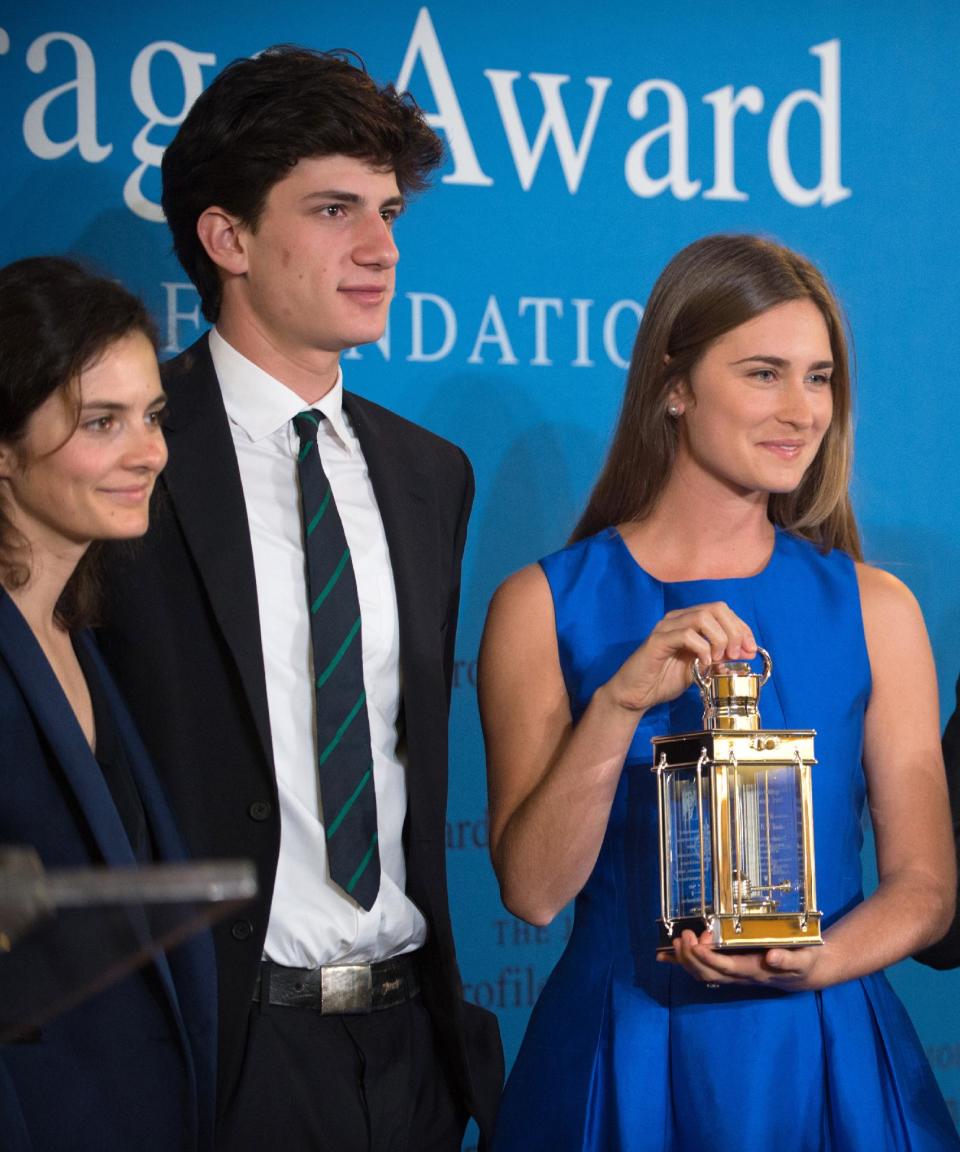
(721, 521)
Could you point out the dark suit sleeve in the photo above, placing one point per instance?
(946, 953)
(453, 606)
(477, 1027)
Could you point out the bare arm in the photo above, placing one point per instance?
(945, 953)
(913, 903)
(552, 784)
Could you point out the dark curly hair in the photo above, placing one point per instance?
(259, 118)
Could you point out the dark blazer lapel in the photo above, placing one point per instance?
(45, 699)
(202, 479)
(193, 965)
(404, 495)
(402, 487)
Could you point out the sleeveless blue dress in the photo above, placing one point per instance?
(623, 1054)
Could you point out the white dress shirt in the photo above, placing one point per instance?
(312, 921)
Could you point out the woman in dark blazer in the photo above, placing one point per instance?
(80, 448)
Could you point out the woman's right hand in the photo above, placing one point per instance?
(662, 667)
(551, 783)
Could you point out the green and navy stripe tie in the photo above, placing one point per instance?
(344, 760)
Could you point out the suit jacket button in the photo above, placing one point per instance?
(260, 810)
(241, 930)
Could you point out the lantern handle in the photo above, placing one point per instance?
(764, 676)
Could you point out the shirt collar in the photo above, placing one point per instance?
(260, 405)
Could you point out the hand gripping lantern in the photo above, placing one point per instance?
(736, 821)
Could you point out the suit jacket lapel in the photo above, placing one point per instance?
(45, 699)
(402, 487)
(404, 496)
(55, 719)
(189, 973)
(202, 478)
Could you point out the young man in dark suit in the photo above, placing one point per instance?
(295, 607)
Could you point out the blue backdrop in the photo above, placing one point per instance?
(586, 145)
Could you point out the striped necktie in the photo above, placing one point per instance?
(344, 758)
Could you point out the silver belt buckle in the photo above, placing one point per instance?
(345, 988)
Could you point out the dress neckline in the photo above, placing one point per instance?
(778, 535)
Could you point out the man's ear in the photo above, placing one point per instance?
(222, 237)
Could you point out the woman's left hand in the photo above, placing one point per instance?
(791, 969)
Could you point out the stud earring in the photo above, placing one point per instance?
(675, 409)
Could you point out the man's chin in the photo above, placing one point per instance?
(356, 338)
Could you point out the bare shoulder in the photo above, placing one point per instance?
(886, 601)
(519, 681)
(526, 588)
(522, 607)
(897, 641)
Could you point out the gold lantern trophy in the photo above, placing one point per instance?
(736, 821)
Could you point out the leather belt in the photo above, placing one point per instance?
(340, 989)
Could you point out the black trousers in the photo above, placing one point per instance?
(312, 1083)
